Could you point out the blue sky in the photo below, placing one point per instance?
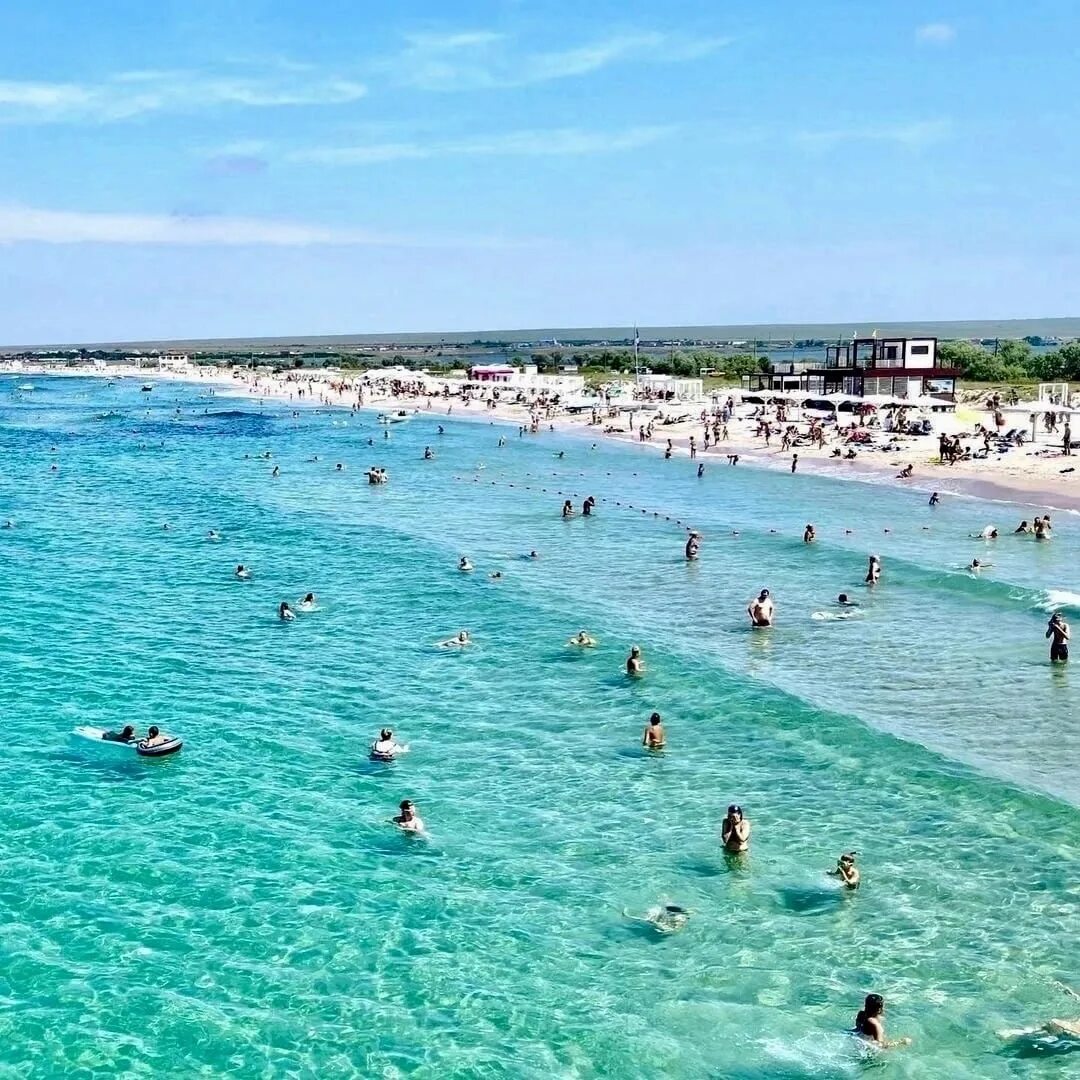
(260, 168)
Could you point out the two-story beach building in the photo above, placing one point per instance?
(897, 367)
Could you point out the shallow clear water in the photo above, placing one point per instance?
(245, 908)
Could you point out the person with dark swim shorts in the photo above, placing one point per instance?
(1058, 629)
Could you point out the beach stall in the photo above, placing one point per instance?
(671, 387)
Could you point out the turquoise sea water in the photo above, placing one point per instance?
(245, 909)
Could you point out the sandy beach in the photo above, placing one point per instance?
(1035, 474)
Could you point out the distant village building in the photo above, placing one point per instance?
(895, 367)
(525, 378)
(174, 362)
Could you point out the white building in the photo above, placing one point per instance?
(174, 362)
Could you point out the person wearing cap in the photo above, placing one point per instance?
(846, 870)
(408, 820)
(761, 609)
(635, 666)
(1058, 629)
(735, 830)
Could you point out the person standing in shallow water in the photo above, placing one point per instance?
(654, 737)
(635, 666)
(761, 609)
(735, 831)
(1058, 629)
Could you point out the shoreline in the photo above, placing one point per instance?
(988, 479)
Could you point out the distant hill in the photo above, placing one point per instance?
(576, 336)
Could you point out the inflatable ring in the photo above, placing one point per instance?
(170, 746)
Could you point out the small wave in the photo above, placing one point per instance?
(1058, 600)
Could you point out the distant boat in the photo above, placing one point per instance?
(393, 418)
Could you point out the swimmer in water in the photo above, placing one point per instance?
(385, 747)
(308, 603)
(587, 507)
(1023, 527)
(429, 454)
(654, 737)
(735, 831)
(582, 640)
(989, 532)
(408, 820)
(339, 467)
(870, 1025)
(1042, 528)
(568, 509)
(459, 642)
(761, 610)
(873, 570)
(693, 546)
(935, 498)
(9, 524)
(285, 613)
(700, 471)
(533, 555)
(242, 572)
(663, 918)
(213, 534)
(809, 535)
(276, 472)
(495, 576)
(846, 870)
(464, 565)
(1069, 1029)
(843, 601)
(635, 666)
(976, 566)
(125, 736)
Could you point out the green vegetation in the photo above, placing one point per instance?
(685, 365)
(1011, 361)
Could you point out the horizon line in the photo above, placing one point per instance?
(593, 333)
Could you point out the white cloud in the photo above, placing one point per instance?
(913, 136)
(556, 142)
(135, 93)
(22, 224)
(480, 60)
(937, 33)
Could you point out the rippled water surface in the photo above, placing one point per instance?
(245, 909)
